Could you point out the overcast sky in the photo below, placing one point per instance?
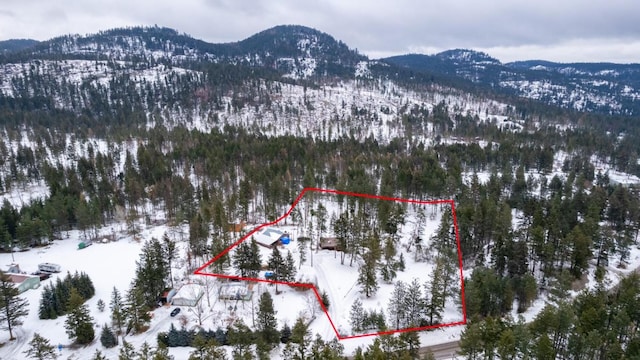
(556, 30)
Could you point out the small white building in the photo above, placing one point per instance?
(188, 295)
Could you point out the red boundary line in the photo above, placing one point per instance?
(199, 271)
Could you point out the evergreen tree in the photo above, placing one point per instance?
(79, 323)
(357, 315)
(170, 251)
(40, 348)
(240, 338)
(12, 307)
(285, 334)
(247, 259)
(408, 345)
(135, 310)
(367, 274)
(107, 337)
(277, 264)
(325, 299)
(397, 307)
(117, 310)
(145, 352)
(47, 308)
(413, 304)
(301, 337)
(266, 323)
(162, 353)
(289, 268)
(152, 271)
(127, 351)
(100, 305)
(98, 355)
(206, 349)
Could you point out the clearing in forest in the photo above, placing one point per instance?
(382, 264)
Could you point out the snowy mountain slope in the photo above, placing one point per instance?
(599, 87)
(174, 96)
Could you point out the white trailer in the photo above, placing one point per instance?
(49, 268)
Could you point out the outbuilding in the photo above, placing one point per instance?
(188, 295)
(25, 282)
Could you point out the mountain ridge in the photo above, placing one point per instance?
(301, 52)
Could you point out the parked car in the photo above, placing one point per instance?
(175, 312)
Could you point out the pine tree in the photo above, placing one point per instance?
(12, 307)
(290, 268)
(267, 323)
(301, 337)
(47, 308)
(135, 311)
(341, 228)
(127, 352)
(145, 352)
(40, 348)
(206, 349)
(413, 304)
(240, 338)
(79, 323)
(277, 264)
(356, 316)
(162, 353)
(117, 310)
(98, 355)
(152, 271)
(285, 334)
(367, 275)
(107, 338)
(100, 305)
(397, 306)
(325, 299)
(247, 259)
(170, 250)
(408, 345)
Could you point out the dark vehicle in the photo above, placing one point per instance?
(175, 312)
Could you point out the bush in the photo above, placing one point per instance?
(325, 299)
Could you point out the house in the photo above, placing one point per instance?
(270, 237)
(25, 282)
(329, 243)
(13, 268)
(188, 295)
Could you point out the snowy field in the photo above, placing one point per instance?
(108, 265)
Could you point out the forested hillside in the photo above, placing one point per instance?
(93, 129)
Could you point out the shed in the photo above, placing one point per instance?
(166, 296)
(188, 295)
(329, 243)
(25, 282)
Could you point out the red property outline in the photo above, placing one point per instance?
(199, 271)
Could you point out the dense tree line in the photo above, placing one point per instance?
(55, 297)
(596, 324)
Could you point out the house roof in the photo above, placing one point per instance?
(19, 278)
(189, 291)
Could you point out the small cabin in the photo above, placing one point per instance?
(329, 243)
